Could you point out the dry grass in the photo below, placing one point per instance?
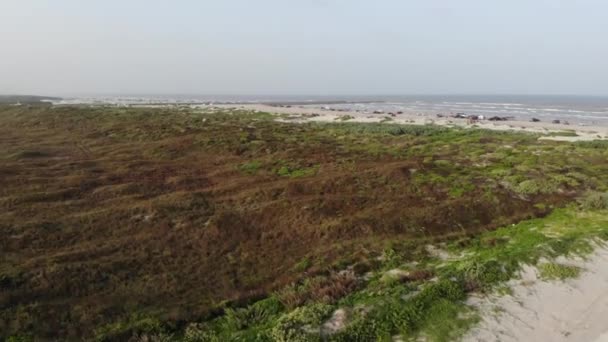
(107, 212)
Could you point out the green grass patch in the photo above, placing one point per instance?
(564, 133)
(594, 201)
(430, 306)
(555, 271)
(251, 167)
(297, 172)
(303, 265)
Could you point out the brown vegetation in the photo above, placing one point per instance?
(172, 214)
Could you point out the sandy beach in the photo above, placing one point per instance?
(538, 310)
(304, 113)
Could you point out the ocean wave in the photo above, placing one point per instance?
(501, 104)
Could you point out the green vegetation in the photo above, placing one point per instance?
(301, 324)
(555, 271)
(136, 324)
(594, 201)
(415, 305)
(564, 133)
(251, 167)
(215, 225)
(344, 117)
(296, 172)
(303, 265)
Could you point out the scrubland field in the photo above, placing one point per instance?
(163, 224)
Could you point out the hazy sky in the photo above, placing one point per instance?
(312, 47)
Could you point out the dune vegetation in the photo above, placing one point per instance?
(173, 223)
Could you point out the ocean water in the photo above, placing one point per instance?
(583, 110)
(573, 109)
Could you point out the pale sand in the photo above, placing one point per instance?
(571, 310)
(324, 115)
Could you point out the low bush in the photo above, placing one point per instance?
(297, 172)
(256, 313)
(136, 325)
(302, 324)
(161, 337)
(324, 289)
(594, 201)
(555, 271)
(533, 187)
(251, 167)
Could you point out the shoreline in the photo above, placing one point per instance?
(305, 114)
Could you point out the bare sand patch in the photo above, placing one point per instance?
(559, 310)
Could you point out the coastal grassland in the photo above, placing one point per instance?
(426, 297)
(126, 221)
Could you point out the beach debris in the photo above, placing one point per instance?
(500, 118)
(556, 121)
(336, 323)
(395, 274)
(438, 252)
(535, 120)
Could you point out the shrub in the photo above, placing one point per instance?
(257, 313)
(345, 117)
(133, 326)
(336, 286)
(595, 144)
(420, 274)
(198, 332)
(250, 168)
(391, 259)
(302, 324)
(160, 337)
(295, 172)
(484, 275)
(20, 338)
(564, 179)
(568, 133)
(444, 289)
(363, 330)
(292, 296)
(554, 271)
(318, 289)
(31, 154)
(528, 187)
(303, 265)
(594, 201)
(408, 316)
(532, 187)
